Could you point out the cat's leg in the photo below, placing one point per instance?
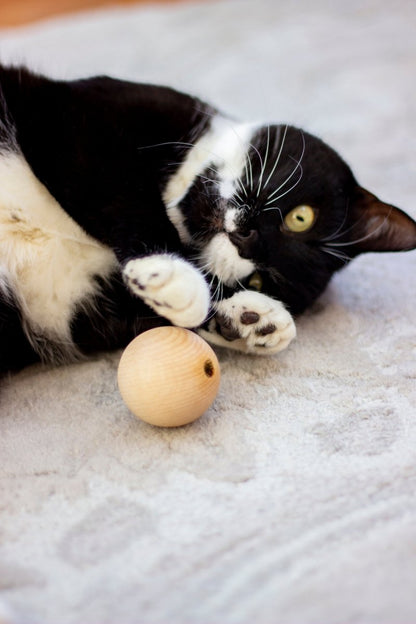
(251, 322)
(173, 287)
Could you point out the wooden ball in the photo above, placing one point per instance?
(168, 376)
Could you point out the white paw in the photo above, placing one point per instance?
(171, 286)
(251, 322)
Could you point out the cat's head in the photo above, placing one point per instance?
(275, 209)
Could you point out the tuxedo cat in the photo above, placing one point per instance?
(127, 206)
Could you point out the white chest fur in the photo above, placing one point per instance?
(46, 258)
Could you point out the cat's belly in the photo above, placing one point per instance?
(45, 257)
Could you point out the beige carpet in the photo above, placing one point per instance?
(293, 500)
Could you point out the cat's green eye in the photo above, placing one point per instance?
(255, 282)
(300, 219)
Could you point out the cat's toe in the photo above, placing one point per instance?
(273, 336)
(144, 274)
(171, 286)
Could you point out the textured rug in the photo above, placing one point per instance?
(293, 499)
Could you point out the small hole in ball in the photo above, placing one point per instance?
(208, 368)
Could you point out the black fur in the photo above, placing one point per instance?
(16, 350)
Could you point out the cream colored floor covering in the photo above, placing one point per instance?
(293, 500)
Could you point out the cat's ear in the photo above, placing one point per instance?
(379, 226)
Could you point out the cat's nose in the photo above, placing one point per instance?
(244, 241)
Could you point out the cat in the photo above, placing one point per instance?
(126, 206)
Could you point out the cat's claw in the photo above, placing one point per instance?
(251, 322)
(171, 286)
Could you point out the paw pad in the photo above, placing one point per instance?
(249, 318)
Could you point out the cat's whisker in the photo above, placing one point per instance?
(204, 179)
(211, 283)
(272, 197)
(244, 207)
(236, 204)
(366, 237)
(338, 232)
(216, 296)
(263, 168)
(221, 295)
(204, 267)
(199, 175)
(210, 315)
(253, 147)
(249, 178)
(240, 194)
(344, 232)
(164, 144)
(335, 252)
(241, 186)
(277, 158)
(216, 293)
(290, 189)
(275, 208)
(239, 197)
(251, 171)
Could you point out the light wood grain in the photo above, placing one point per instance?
(168, 376)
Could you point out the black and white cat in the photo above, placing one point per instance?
(126, 206)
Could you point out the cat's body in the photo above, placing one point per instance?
(125, 206)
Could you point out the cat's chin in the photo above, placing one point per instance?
(221, 258)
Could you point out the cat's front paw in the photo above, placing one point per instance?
(171, 286)
(251, 322)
